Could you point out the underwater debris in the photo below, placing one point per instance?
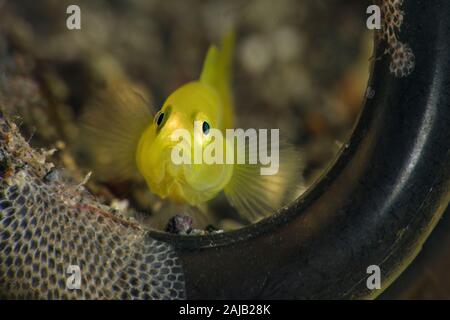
(58, 224)
(4, 163)
(52, 176)
(120, 205)
(179, 224)
(183, 225)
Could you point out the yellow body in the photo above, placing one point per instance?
(122, 135)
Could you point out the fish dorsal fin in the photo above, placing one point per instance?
(216, 72)
(256, 196)
(209, 71)
(111, 128)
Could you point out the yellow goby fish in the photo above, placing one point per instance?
(124, 136)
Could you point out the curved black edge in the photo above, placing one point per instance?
(376, 205)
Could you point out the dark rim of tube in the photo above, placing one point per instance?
(376, 204)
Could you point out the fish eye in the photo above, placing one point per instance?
(205, 127)
(159, 118)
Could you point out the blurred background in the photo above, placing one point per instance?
(290, 72)
(301, 66)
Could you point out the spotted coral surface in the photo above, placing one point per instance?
(48, 224)
(402, 57)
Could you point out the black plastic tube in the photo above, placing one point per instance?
(376, 205)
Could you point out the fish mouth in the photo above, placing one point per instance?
(177, 185)
(169, 174)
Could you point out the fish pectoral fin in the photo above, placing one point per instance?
(111, 127)
(256, 196)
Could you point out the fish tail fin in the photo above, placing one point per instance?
(256, 196)
(217, 73)
(111, 126)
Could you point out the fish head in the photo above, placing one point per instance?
(174, 151)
